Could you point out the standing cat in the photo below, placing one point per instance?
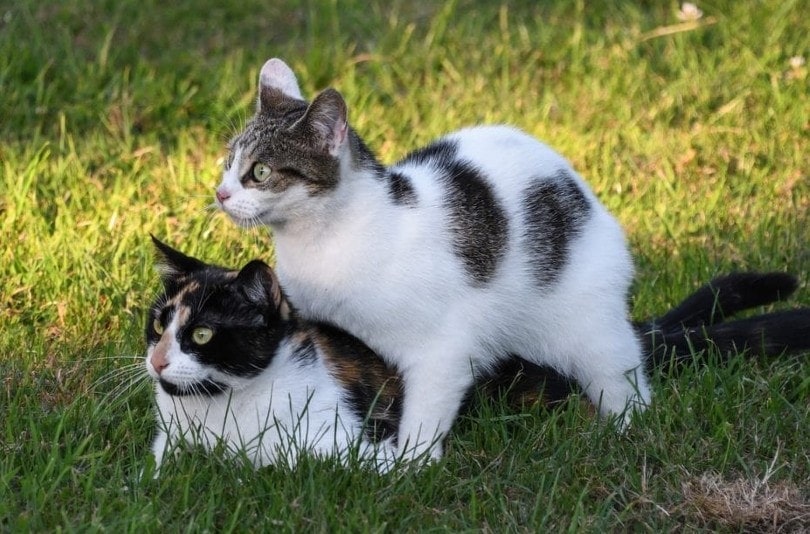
(485, 243)
(234, 365)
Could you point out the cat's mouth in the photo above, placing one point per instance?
(205, 387)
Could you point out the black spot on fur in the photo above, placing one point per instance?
(555, 211)
(362, 156)
(400, 189)
(306, 351)
(479, 224)
(438, 154)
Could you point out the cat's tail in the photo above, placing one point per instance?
(698, 322)
(769, 334)
(723, 297)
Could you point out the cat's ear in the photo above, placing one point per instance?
(276, 82)
(326, 121)
(172, 264)
(260, 285)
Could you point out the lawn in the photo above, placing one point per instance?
(113, 123)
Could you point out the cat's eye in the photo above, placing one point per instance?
(261, 172)
(157, 326)
(202, 335)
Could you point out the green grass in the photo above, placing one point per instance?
(113, 120)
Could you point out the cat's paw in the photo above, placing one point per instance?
(422, 454)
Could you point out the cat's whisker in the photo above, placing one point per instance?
(126, 389)
(133, 364)
(111, 358)
(121, 376)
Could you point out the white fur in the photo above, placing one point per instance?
(291, 408)
(388, 275)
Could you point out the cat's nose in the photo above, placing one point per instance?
(159, 360)
(159, 367)
(222, 194)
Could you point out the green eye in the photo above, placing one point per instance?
(202, 335)
(261, 172)
(157, 327)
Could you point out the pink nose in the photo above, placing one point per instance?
(160, 367)
(222, 195)
(159, 361)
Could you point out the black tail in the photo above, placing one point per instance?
(681, 334)
(696, 324)
(723, 297)
(763, 335)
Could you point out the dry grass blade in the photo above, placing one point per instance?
(748, 504)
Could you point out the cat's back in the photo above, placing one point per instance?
(501, 157)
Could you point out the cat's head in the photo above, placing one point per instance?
(212, 329)
(290, 154)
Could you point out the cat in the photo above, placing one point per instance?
(482, 244)
(234, 364)
(485, 243)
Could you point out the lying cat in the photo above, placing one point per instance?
(482, 244)
(235, 365)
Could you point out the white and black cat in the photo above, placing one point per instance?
(233, 364)
(482, 244)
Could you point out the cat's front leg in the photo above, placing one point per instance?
(159, 450)
(159, 446)
(435, 386)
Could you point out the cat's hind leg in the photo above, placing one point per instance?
(613, 377)
(605, 358)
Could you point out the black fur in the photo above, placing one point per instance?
(478, 222)
(555, 211)
(305, 352)
(763, 335)
(362, 155)
(726, 295)
(206, 387)
(400, 189)
(439, 154)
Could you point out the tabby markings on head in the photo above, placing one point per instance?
(271, 138)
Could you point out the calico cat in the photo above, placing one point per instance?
(233, 363)
(482, 244)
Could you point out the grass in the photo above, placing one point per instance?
(113, 121)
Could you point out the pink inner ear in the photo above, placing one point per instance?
(341, 128)
(276, 74)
